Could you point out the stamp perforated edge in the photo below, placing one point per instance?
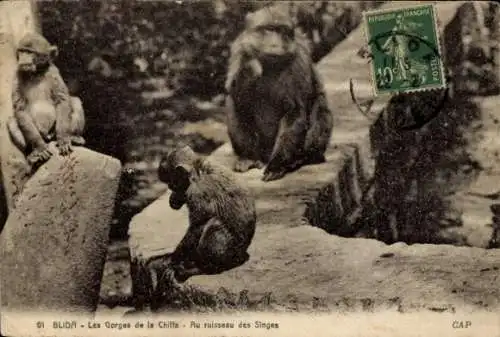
(440, 48)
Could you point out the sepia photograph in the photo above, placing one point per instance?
(230, 168)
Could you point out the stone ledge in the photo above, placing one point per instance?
(305, 262)
(55, 240)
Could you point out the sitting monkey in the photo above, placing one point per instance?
(278, 115)
(222, 218)
(43, 109)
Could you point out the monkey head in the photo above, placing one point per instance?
(34, 53)
(175, 170)
(271, 34)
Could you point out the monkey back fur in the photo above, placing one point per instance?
(214, 193)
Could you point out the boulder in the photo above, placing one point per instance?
(54, 243)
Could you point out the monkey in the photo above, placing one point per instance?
(43, 108)
(277, 113)
(222, 217)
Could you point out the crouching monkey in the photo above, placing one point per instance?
(43, 109)
(222, 218)
(278, 115)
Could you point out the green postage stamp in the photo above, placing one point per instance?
(405, 49)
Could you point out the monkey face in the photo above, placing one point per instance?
(26, 61)
(34, 53)
(177, 179)
(175, 176)
(178, 184)
(31, 62)
(175, 170)
(177, 200)
(273, 33)
(275, 43)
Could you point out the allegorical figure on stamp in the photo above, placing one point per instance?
(398, 46)
(404, 48)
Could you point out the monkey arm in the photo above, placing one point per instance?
(289, 143)
(24, 120)
(29, 129)
(319, 95)
(318, 85)
(235, 61)
(243, 138)
(18, 103)
(233, 69)
(188, 245)
(62, 102)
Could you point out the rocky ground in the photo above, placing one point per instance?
(475, 199)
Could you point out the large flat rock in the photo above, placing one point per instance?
(54, 243)
(290, 259)
(306, 263)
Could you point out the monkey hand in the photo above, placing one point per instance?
(255, 67)
(273, 175)
(184, 271)
(275, 172)
(158, 263)
(39, 155)
(243, 165)
(64, 146)
(276, 168)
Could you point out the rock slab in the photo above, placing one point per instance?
(54, 243)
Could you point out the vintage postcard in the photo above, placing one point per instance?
(249, 168)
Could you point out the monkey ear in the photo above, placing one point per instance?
(53, 52)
